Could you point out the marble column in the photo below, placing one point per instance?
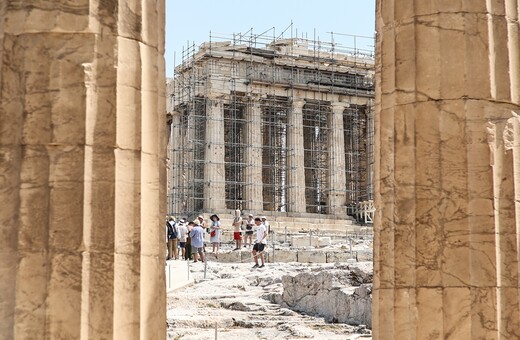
(175, 174)
(295, 158)
(503, 140)
(82, 154)
(253, 193)
(445, 251)
(336, 145)
(214, 170)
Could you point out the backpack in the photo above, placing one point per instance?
(172, 231)
(175, 233)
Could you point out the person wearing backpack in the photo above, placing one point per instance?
(173, 235)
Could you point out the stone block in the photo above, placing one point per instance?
(338, 257)
(283, 256)
(304, 241)
(324, 241)
(312, 256)
(228, 257)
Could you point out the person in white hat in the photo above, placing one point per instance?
(266, 223)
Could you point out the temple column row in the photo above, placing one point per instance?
(214, 168)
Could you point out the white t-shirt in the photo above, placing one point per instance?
(260, 234)
(183, 232)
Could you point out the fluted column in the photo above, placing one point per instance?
(214, 171)
(503, 136)
(295, 158)
(442, 235)
(175, 177)
(82, 148)
(253, 193)
(336, 145)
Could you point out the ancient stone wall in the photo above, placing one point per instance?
(82, 158)
(446, 256)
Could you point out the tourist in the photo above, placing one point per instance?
(261, 239)
(183, 233)
(167, 227)
(202, 222)
(265, 222)
(250, 222)
(188, 242)
(215, 231)
(204, 227)
(197, 241)
(237, 230)
(172, 239)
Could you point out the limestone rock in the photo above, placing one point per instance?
(329, 294)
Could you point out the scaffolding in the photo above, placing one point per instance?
(256, 78)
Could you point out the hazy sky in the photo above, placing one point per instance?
(192, 20)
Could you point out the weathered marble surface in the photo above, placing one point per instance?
(82, 126)
(446, 254)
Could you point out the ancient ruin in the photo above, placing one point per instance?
(272, 126)
(82, 159)
(82, 154)
(447, 238)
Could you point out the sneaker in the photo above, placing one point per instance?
(255, 266)
(262, 266)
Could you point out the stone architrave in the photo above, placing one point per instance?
(82, 154)
(214, 171)
(336, 143)
(446, 253)
(295, 158)
(253, 190)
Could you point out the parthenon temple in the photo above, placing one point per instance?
(271, 126)
(83, 157)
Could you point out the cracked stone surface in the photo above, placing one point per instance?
(234, 302)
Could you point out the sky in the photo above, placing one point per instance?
(191, 21)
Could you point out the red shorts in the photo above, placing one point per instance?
(236, 235)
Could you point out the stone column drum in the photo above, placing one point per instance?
(253, 156)
(295, 158)
(446, 248)
(214, 170)
(82, 154)
(336, 162)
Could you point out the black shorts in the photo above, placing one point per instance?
(182, 244)
(259, 247)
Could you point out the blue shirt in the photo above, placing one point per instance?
(197, 237)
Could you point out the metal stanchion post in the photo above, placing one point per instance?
(205, 265)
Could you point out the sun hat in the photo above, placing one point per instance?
(214, 215)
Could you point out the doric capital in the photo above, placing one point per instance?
(339, 107)
(298, 103)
